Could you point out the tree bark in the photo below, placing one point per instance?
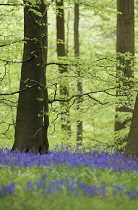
(32, 120)
(132, 140)
(79, 83)
(61, 52)
(124, 44)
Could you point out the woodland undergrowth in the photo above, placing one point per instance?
(69, 178)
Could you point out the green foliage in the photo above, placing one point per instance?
(64, 200)
(13, 1)
(96, 66)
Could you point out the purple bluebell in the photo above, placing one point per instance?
(8, 189)
(92, 159)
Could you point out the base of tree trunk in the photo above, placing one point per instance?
(32, 149)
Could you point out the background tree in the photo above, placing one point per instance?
(77, 55)
(32, 111)
(132, 140)
(125, 53)
(61, 52)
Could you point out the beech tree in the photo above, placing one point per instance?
(132, 140)
(32, 111)
(77, 54)
(125, 53)
(61, 52)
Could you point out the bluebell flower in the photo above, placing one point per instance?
(88, 190)
(102, 189)
(9, 189)
(69, 157)
(133, 194)
(117, 190)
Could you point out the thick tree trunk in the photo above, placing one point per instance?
(61, 52)
(32, 119)
(79, 83)
(124, 44)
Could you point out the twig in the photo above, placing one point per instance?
(19, 91)
(11, 4)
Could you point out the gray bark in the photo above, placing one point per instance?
(132, 140)
(124, 44)
(79, 83)
(32, 119)
(61, 53)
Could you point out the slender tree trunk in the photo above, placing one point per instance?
(79, 83)
(61, 52)
(32, 119)
(124, 44)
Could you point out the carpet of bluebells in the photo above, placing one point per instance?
(94, 160)
(68, 156)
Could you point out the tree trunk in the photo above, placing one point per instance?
(32, 119)
(61, 52)
(79, 83)
(124, 44)
(132, 140)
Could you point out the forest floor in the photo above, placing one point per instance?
(69, 179)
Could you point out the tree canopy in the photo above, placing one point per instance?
(96, 65)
